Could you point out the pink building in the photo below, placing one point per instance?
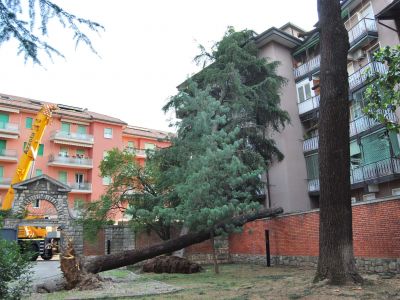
(72, 147)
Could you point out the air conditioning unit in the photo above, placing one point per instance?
(357, 55)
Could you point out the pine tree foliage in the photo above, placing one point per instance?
(27, 22)
(248, 85)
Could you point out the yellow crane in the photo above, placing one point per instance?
(32, 237)
(42, 119)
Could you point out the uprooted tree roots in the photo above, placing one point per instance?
(74, 273)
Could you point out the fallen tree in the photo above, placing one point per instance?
(113, 261)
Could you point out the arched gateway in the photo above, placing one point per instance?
(49, 189)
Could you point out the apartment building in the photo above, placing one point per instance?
(74, 143)
(375, 152)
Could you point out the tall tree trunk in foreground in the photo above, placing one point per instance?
(336, 258)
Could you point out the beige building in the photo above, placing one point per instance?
(375, 152)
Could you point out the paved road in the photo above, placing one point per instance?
(46, 271)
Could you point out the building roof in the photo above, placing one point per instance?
(390, 12)
(279, 36)
(146, 132)
(290, 24)
(64, 110)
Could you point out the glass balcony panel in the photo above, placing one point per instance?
(8, 153)
(82, 186)
(73, 136)
(9, 127)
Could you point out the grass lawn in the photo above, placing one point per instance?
(244, 281)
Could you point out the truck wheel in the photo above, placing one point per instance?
(47, 255)
(34, 251)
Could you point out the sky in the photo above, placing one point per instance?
(146, 50)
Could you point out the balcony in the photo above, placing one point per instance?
(8, 155)
(5, 183)
(364, 123)
(9, 130)
(363, 75)
(309, 105)
(72, 138)
(140, 153)
(80, 188)
(70, 162)
(372, 173)
(310, 144)
(362, 33)
(308, 67)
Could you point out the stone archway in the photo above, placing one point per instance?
(55, 192)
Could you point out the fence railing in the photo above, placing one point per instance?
(8, 153)
(311, 65)
(71, 160)
(309, 104)
(375, 170)
(361, 28)
(72, 136)
(362, 75)
(310, 144)
(364, 123)
(83, 186)
(9, 127)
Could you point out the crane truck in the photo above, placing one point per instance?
(32, 238)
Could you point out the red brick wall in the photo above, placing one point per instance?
(376, 232)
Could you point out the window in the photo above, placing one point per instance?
(79, 203)
(304, 90)
(40, 150)
(375, 147)
(130, 147)
(36, 203)
(79, 178)
(63, 152)
(4, 119)
(312, 166)
(1, 172)
(108, 133)
(28, 122)
(106, 180)
(82, 129)
(38, 172)
(80, 153)
(62, 176)
(149, 146)
(65, 127)
(355, 155)
(3, 147)
(355, 111)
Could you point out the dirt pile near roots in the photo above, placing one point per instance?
(171, 264)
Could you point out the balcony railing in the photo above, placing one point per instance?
(8, 153)
(309, 104)
(364, 123)
(310, 144)
(382, 168)
(368, 172)
(363, 27)
(9, 127)
(311, 65)
(83, 137)
(361, 76)
(73, 161)
(5, 182)
(83, 186)
(313, 185)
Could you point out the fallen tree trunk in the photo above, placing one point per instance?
(113, 261)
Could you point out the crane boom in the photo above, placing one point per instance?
(42, 119)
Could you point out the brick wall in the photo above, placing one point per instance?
(376, 233)
(294, 238)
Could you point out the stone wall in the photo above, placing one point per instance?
(118, 238)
